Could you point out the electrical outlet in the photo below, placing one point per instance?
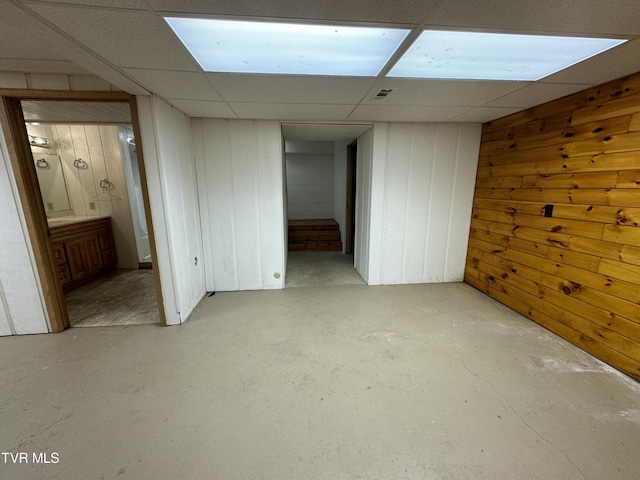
(548, 210)
(92, 205)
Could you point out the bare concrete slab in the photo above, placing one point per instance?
(337, 382)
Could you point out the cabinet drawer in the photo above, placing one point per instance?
(59, 254)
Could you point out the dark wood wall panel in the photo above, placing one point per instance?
(555, 232)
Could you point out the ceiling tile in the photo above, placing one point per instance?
(40, 66)
(461, 93)
(615, 63)
(535, 94)
(613, 17)
(126, 38)
(484, 114)
(203, 108)
(297, 111)
(405, 113)
(128, 4)
(403, 12)
(290, 88)
(175, 84)
(19, 37)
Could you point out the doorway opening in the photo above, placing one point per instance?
(320, 167)
(84, 186)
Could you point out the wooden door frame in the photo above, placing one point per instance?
(349, 234)
(13, 126)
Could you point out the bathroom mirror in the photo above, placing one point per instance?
(52, 183)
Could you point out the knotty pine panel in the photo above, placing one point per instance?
(575, 271)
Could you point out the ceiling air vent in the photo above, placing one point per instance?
(382, 93)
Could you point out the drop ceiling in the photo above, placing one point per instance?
(128, 44)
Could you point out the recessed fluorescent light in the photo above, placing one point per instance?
(494, 56)
(287, 48)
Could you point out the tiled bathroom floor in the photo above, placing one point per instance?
(125, 297)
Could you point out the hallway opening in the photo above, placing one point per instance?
(320, 173)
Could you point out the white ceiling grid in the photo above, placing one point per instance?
(128, 43)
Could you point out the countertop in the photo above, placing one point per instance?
(62, 221)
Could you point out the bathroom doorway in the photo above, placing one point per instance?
(320, 179)
(90, 132)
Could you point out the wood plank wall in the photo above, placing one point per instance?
(577, 273)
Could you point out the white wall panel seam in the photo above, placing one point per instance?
(203, 204)
(7, 312)
(233, 203)
(453, 190)
(260, 245)
(147, 118)
(39, 320)
(434, 153)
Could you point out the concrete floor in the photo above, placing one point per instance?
(337, 382)
(312, 269)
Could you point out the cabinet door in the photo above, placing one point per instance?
(77, 258)
(58, 254)
(64, 275)
(94, 254)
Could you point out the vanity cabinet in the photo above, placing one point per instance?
(83, 251)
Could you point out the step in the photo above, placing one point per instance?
(316, 247)
(311, 225)
(312, 236)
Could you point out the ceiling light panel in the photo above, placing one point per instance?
(494, 56)
(287, 48)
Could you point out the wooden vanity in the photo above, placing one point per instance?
(83, 250)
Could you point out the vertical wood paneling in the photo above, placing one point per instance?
(424, 208)
(272, 208)
(396, 200)
(99, 147)
(462, 202)
(21, 307)
(5, 314)
(242, 166)
(147, 117)
(417, 213)
(574, 271)
(244, 175)
(122, 216)
(217, 193)
(362, 247)
(177, 170)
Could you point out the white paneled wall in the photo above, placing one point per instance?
(22, 310)
(171, 177)
(98, 146)
(240, 179)
(422, 182)
(340, 187)
(309, 179)
(362, 257)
